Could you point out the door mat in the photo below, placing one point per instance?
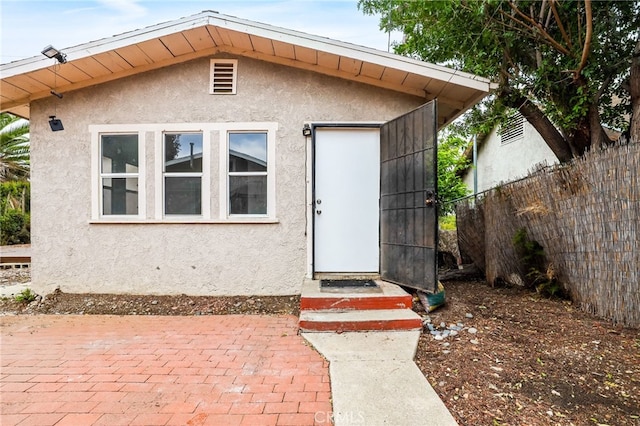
(348, 284)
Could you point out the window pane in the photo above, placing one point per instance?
(247, 152)
(182, 195)
(119, 154)
(183, 152)
(120, 196)
(247, 195)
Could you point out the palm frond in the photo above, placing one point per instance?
(14, 148)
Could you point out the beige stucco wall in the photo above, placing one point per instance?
(498, 163)
(70, 252)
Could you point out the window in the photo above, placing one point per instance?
(223, 76)
(248, 173)
(119, 174)
(512, 129)
(182, 173)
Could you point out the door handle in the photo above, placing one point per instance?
(431, 199)
(318, 211)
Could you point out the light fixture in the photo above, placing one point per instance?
(306, 130)
(52, 52)
(55, 123)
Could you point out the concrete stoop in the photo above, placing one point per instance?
(385, 308)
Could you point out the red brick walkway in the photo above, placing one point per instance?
(137, 370)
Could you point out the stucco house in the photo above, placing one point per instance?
(213, 155)
(509, 152)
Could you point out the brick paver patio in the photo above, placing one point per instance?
(154, 370)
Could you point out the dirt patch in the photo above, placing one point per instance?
(129, 304)
(520, 359)
(515, 358)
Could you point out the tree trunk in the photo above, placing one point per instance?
(547, 130)
(598, 136)
(580, 138)
(634, 90)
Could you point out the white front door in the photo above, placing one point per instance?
(346, 204)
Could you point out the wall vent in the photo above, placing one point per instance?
(512, 129)
(223, 76)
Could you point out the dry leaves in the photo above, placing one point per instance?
(536, 362)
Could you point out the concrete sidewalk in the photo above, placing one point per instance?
(374, 380)
(154, 370)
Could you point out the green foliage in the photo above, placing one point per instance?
(14, 148)
(15, 219)
(15, 195)
(15, 227)
(451, 161)
(541, 274)
(538, 52)
(26, 296)
(172, 149)
(546, 283)
(447, 223)
(530, 251)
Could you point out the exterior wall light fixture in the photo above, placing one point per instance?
(52, 52)
(55, 123)
(306, 130)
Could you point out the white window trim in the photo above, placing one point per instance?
(96, 172)
(160, 131)
(270, 128)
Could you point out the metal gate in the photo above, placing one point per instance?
(408, 203)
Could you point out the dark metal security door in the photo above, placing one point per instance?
(408, 212)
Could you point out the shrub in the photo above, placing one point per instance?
(15, 195)
(15, 227)
(448, 222)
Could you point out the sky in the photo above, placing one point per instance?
(27, 26)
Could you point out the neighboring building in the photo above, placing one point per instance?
(508, 153)
(191, 154)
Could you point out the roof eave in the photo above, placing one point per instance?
(296, 38)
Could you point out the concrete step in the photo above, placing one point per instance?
(360, 320)
(386, 296)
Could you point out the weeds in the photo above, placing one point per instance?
(541, 274)
(26, 296)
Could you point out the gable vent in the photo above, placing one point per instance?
(512, 129)
(223, 77)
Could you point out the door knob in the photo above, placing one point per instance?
(318, 211)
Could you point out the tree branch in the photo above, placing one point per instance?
(603, 87)
(540, 19)
(543, 6)
(586, 49)
(547, 21)
(565, 37)
(554, 139)
(537, 26)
